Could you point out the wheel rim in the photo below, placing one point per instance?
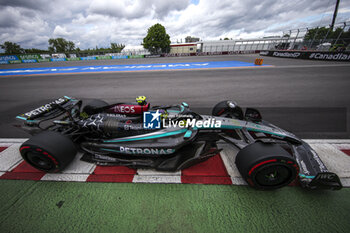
(39, 161)
(273, 175)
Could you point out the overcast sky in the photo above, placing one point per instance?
(88, 23)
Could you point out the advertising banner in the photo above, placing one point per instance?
(120, 57)
(43, 60)
(152, 56)
(311, 55)
(29, 60)
(331, 56)
(58, 59)
(136, 56)
(4, 62)
(15, 61)
(58, 55)
(29, 56)
(104, 57)
(45, 56)
(8, 58)
(88, 58)
(73, 59)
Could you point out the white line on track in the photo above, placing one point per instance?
(13, 140)
(157, 179)
(228, 156)
(65, 177)
(153, 176)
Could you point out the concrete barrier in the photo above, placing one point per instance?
(310, 55)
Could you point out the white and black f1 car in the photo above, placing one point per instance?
(269, 157)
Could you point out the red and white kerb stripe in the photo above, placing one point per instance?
(219, 169)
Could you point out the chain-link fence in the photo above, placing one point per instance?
(322, 38)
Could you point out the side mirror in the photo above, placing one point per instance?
(253, 115)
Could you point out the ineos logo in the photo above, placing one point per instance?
(124, 109)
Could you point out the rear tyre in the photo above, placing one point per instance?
(93, 106)
(266, 166)
(48, 151)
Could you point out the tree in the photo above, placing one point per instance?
(117, 48)
(321, 33)
(317, 33)
(11, 48)
(157, 40)
(226, 38)
(60, 45)
(34, 50)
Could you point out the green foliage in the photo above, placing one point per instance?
(320, 33)
(34, 50)
(317, 33)
(117, 48)
(157, 40)
(226, 38)
(11, 48)
(114, 48)
(60, 45)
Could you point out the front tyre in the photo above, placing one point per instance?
(266, 166)
(48, 151)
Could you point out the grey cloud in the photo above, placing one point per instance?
(30, 4)
(119, 9)
(8, 18)
(162, 8)
(137, 9)
(99, 22)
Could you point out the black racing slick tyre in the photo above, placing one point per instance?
(266, 166)
(93, 106)
(48, 151)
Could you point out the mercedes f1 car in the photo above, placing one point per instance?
(174, 138)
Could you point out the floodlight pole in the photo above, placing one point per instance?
(335, 14)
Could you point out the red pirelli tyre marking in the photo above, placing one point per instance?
(260, 164)
(294, 182)
(24, 147)
(46, 154)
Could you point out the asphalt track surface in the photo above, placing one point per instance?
(309, 98)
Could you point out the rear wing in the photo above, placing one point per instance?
(49, 110)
